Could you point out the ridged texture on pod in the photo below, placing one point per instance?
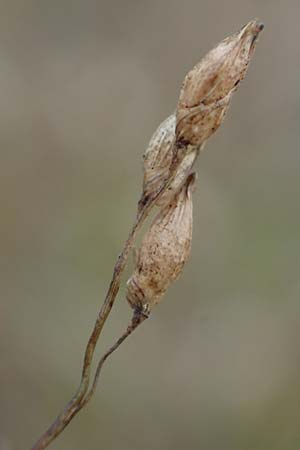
(157, 161)
(181, 175)
(163, 252)
(208, 87)
(158, 156)
(204, 100)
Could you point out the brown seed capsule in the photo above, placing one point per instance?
(208, 87)
(158, 157)
(182, 172)
(163, 252)
(203, 103)
(157, 162)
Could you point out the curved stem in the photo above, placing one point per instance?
(136, 321)
(74, 405)
(71, 408)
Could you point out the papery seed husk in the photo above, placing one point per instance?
(164, 250)
(158, 156)
(182, 172)
(157, 162)
(208, 87)
(203, 103)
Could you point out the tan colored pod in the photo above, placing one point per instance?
(203, 102)
(208, 87)
(157, 162)
(183, 170)
(164, 250)
(158, 157)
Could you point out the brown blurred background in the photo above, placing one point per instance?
(83, 84)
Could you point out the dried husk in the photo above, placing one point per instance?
(182, 172)
(203, 102)
(208, 87)
(157, 162)
(158, 157)
(163, 252)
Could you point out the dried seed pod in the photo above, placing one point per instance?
(183, 170)
(157, 161)
(163, 252)
(158, 157)
(203, 102)
(208, 87)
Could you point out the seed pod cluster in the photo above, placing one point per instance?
(204, 100)
(163, 252)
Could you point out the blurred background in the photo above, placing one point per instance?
(83, 85)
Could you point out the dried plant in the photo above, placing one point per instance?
(164, 250)
(157, 161)
(207, 89)
(203, 101)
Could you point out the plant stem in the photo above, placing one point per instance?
(77, 401)
(71, 408)
(136, 321)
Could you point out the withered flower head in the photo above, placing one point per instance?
(208, 87)
(163, 252)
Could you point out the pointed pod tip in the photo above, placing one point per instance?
(252, 31)
(260, 26)
(255, 26)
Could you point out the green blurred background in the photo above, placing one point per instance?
(83, 84)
